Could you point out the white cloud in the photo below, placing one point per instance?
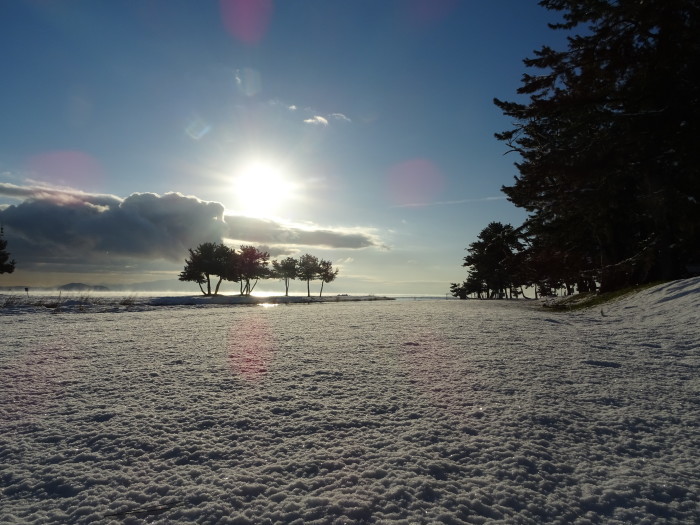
(317, 120)
(340, 116)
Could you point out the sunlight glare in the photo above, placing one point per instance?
(262, 189)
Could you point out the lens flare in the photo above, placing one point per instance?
(246, 20)
(415, 182)
(67, 168)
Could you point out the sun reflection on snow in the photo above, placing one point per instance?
(251, 348)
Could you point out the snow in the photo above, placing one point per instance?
(353, 412)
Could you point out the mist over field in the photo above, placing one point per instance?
(352, 412)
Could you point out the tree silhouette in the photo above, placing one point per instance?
(6, 265)
(285, 269)
(608, 141)
(492, 261)
(308, 270)
(207, 260)
(252, 266)
(326, 273)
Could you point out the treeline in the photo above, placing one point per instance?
(503, 261)
(211, 262)
(610, 163)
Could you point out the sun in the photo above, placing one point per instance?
(262, 189)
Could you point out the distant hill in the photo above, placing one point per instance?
(80, 287)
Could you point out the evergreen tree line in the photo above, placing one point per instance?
(503, 261)
(608, 140)
(211, 263)
(6, 265)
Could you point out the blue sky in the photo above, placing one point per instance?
(358, 131)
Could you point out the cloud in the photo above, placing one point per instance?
(314, 117)
(57, 195)
(340, 116)
(446, 203)
(273, 232)
(65, 228)
(317, 121)
(60, 225)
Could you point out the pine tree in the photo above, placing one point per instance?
(211, 259)
(491, 261)
(307, 270)
(326, 273)
(609, 169)
(6, 265)
(253, 266)
(286, 269)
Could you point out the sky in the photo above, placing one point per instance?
(358, 131)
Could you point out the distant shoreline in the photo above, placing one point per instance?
(256, 299)
(83, 301)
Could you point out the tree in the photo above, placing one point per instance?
(459, 290)
(608, 141)
(285, 269)
(308, 270)
(207, 260)
(252, 266)
(326, 273)
(6, 265)
(491, 262)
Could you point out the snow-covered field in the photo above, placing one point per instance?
(353, 412)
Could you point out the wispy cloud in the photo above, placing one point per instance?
(317, 120)
(448, 203)
(325, 121)
(340, 116)
(313, 116)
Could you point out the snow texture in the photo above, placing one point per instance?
(354, 412)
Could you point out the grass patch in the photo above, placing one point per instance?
(129, 300)
(583, 301)
(11, 301)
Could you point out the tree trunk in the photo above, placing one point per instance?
(216, 291)
(321, 292)
(208, 284)
(286, 286)
(308, 288)
(250, 290)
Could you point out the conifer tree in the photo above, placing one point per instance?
(6, 265)
(308, 270)
(286, 269)
(326, 273)
(207, 260)
(610, 165)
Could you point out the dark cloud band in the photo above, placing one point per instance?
(59, 226)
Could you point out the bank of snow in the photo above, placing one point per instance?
(375, 412)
